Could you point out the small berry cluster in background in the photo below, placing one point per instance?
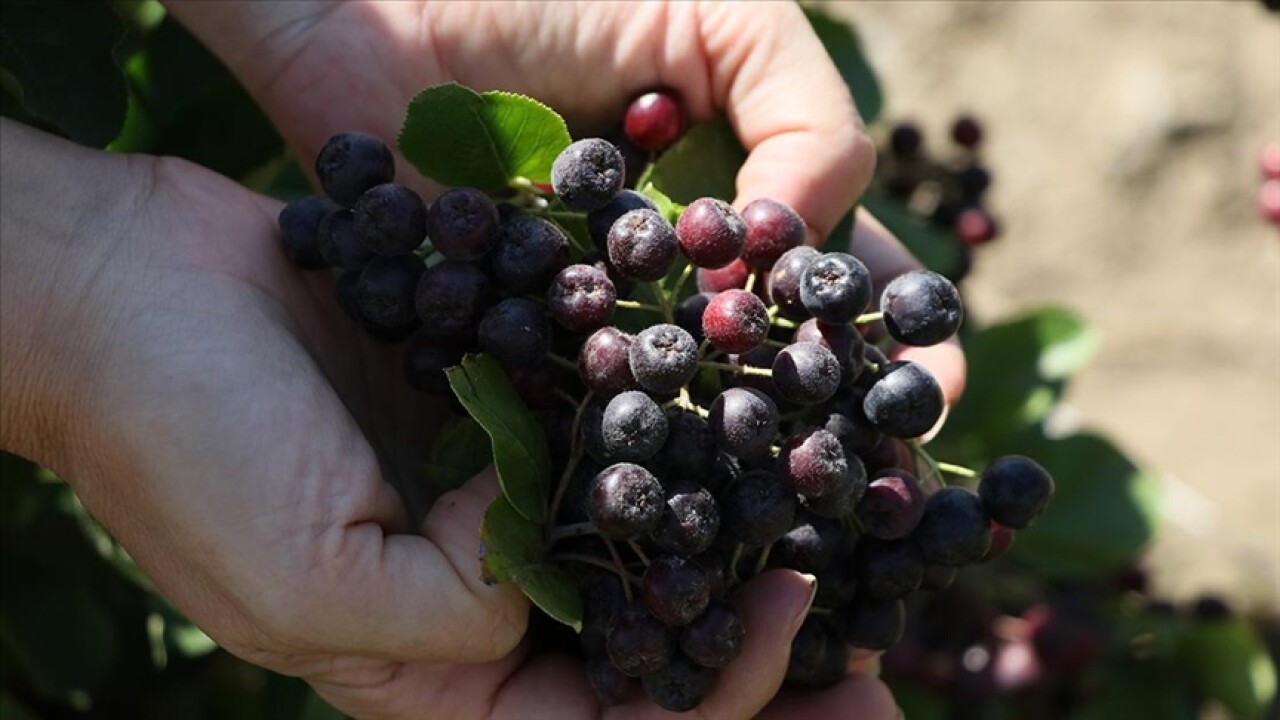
(1269, 190)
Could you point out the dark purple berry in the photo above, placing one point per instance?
(386, 290)
(955, 529)
(642, 245)
(690, 520)
(1015, 490)
(581, 298)
(633, 427)
(625, 501)
(842, 340)
(610, 684)
(836, 287)
(690, 450)
(892, 505)
(711, 233)
(757, 509)
(604, 362)
(336, 239)
(452, 297)
(515, 332)
(688, 314)
(842, 499)
(390, 219)
(938, 577)
(813, 462)
(905, 140)
(299, 227)
(664, 358)
(811, 543)
(425, 360)
(714, 638)
(874, 624)
(638, 643)
(680, 686)
(528, 254)
(888, 569)
(463, 224)
(772, 229)
(806, 373)
(819, 657)
(905, 402)
(351, 163)
(921, 308)
(743, 421)
(588, 173)
(966, 131)
(675, 590)
(784, 281)
(600, 221)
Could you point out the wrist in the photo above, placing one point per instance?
(64, 216)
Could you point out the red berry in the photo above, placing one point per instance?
(1269, 161)
(733, 275)
(772, 229)
(1269, 201)
(735, 321)
(966, 131)
(975, 227)
(654, 121)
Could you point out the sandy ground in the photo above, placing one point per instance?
(1123, 138)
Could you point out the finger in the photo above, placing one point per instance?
(857, 696)
(886, 258)
(791, 109)
(772, 607)
(417, 597)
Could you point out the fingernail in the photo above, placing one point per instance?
(804, 601)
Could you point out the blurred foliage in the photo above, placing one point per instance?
(84, 634)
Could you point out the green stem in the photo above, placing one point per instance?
(783, 323)
(635, 547)
(563, 362)
(561, 532)
(575, 454)
(739, 369)
(960, 470)
(684, 275)
(868, 318)
(763, 559)
(589, 560)
(620, 568)
(733, 564)
(751, 282)
(633, 305)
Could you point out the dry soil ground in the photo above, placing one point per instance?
(1123, 137)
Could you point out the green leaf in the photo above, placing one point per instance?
(12, 709)
(1104, 509)
(935, 248)
(520, 453)
(514, 551)
(703, 163)
(551, 588)
(1135, 689)
(61, 59)
(459, 137)
(1230, 664)
(918, 703)
(668, 209)
(842, 44)
(1017, 372)
(461, 450)
(510, 541)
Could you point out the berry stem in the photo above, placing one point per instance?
(561, 532)
(783, 323)
(960, 470)
(763, 559)
(751, 282)
(635, 547)
(775, 343)
(873, 367)
(868, 318)
(733, 564)
(633, 305)
(575, 454)
(563, 362)
(684, 275)
(622, 572)
(620, 568)
(739, 369)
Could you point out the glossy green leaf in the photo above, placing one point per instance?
(1230, 663)
(520, 453)
(552, 589)
(703, 163)
(60, 57)
(935, 248)
(509, 541)
(1017, 372)
(845, 48)
(459, 137)
(461, 450)
(668, 208)
(1104, 509)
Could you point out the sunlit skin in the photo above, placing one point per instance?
(221, 416)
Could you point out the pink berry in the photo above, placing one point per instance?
(735, 321)
(1269, 201)
(1269, 161)
(654, 121)
(975, 227)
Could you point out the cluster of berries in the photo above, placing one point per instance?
(700, 439)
